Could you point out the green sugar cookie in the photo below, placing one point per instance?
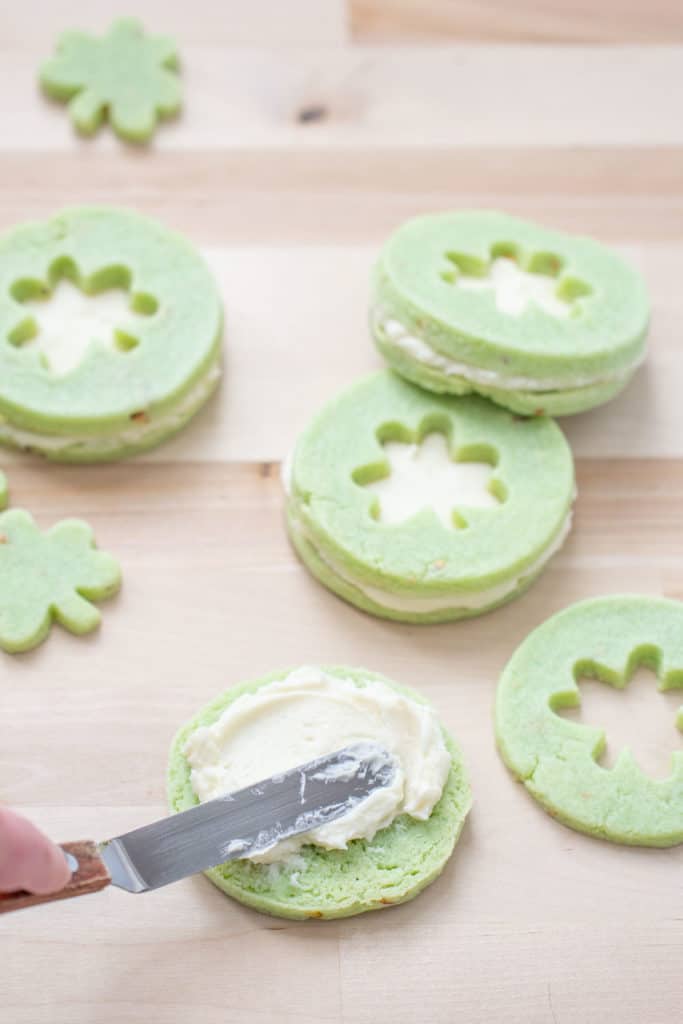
(109, 334)
(125, 75)
(49, 576)
(422, 507)
(557, 759)
(370, 874)
(538, 321)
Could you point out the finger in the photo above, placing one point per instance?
(28, 859)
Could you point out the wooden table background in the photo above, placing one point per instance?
(311, 128)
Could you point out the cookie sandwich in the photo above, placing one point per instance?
(422, 507)
(538, 321)
(110, 331)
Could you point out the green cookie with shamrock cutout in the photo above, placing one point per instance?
(110, 332)
(125, 74)
(538, 321)
(422, 507)
(49, 576)
(557, 759)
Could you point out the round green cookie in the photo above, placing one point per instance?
(135, 382)
(556, 759)
(426, 567)
(538, 321)
(397, 864)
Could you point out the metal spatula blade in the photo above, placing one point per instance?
(236, 825)
(247, 822)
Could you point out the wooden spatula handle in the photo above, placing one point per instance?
(90, 875)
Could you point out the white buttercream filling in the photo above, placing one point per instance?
(420, 350)
(424, 604)
(425, 475)
(306, 715)
(286, 470)
(69, 321)
(514, 288)
(138, 430)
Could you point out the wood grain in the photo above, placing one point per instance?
(281, 366)
(375, 97)
(230, 22)
(548, 21)
(530, 923)
(205, 558)
(346, 195)
(213, 595)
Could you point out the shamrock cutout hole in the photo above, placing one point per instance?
(67, 314)
(636, 715)
(518, 280)
(425, 475)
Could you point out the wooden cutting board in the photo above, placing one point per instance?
(301, 147)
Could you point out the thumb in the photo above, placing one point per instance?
(28, 859)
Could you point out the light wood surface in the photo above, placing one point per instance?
(530, 923)
(375, 97)
(543, 21)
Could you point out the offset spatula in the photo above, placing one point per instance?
(237, 825)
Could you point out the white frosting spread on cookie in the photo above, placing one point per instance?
(424, 604)
(422, 352)
(138, 431)
(311, 713)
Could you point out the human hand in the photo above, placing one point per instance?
(28, 859)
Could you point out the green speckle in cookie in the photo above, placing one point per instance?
(51, 575)
(125, 75)
(394, 867)
(539, 321)
(557, 759)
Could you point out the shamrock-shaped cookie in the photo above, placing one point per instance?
(46, 576)
(126, 74)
